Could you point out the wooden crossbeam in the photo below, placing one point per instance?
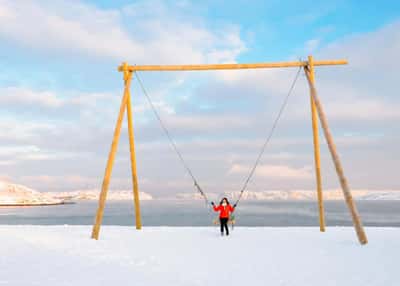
(228, 66)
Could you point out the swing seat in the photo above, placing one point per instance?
(231, 221)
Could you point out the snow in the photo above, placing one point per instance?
(93, 194)
(13, 194)
(299, 195)
(65, 255)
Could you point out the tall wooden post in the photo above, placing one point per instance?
(317, 160)
(338, 166)
(133, 157)
(111, 158)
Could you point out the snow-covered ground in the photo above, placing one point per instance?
(65, 255)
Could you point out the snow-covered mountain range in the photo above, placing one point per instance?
(13, 194)
(19, 195)
(298, 195)
(93, 194)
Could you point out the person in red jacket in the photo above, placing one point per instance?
(225, 210)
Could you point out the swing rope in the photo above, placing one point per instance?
(186, 166)
(268, 139)
(171, 141)
(271, 132)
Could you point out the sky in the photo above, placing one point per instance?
(60, 93)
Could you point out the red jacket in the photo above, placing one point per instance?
(224, 211)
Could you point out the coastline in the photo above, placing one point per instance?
(36, 205)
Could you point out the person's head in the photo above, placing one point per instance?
(224, 201)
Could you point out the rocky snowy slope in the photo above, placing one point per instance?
(13, 195)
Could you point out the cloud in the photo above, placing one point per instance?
(7, 162)
(275, 171)
(185, 123)
(312, 45)
(31, 112)
(78, 28)
(23, 97)
(27, 97)
(354, 107)
(121, 34)
(368, 109)
(71, 182)
(369, 52)
(5, 178)
(160, 105)
(15, 130)
(219, 120)
(58, 183)
(364, 90)
(361, 92)
(18, 153)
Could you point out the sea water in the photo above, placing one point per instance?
(196, 213)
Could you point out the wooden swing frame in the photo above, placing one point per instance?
(316, 112)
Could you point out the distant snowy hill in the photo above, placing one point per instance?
(13, 194)
(298, 195)
(93, 194)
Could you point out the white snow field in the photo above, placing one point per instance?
(65, 255)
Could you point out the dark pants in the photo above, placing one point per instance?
(223, 221)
